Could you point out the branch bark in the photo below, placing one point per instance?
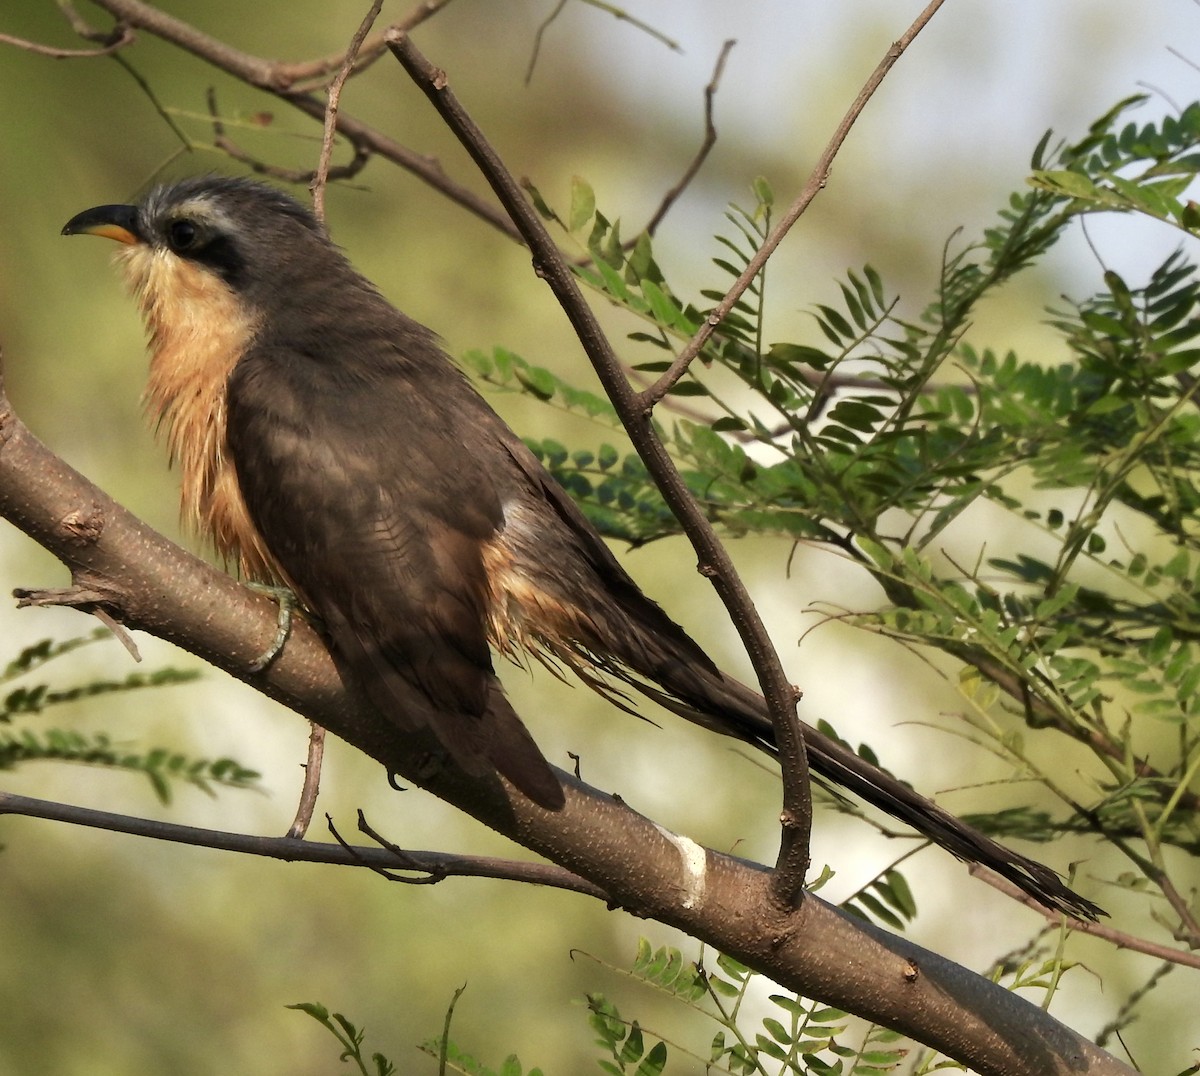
(151, 585)
(136, 575)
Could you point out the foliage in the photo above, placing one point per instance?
(21, 743)
(879, 438)
(883, 432)
(350, 1038)
(795, 1036)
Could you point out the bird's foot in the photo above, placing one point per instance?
(286, 602)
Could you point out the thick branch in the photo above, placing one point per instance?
(814, 950)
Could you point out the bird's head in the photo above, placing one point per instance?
(209, 241)
(216, 265)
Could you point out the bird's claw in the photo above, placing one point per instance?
(285, 601)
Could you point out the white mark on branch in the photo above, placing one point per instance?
(695, 866)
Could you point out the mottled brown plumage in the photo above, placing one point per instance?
(326, 441)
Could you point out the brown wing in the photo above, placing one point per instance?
(377, 512)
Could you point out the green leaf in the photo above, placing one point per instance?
(539, 382)
(583, 203)
(1071, 183)
(763, 194)
(540, 203)
(654, 1062)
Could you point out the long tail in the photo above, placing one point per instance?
(598, 621)
(692, 687)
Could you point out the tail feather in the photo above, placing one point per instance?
(709, 698)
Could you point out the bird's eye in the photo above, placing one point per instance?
(182, 235)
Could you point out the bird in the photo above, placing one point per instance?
(327, 444)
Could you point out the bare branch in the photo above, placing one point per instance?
(312, 782)
(1119, 938)
(123, 38)
(264, 75)
(715, 563)
(621, 15)
(306, 75)
(332, 101)
(710, 140)
(82, 27)
(119, 633)
(299, 176)
(815, 184)
(540, 33)
(294, 850)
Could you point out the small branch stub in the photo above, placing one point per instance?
(83, 526)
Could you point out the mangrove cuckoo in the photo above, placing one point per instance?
(327, 444)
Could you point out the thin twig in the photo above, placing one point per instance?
(543, 26)
(710, 140)
(815, 184)
(119, 632)
(403, 861)
(263, 74)
(620, 14)
(1178, 903)
(316, 740)
(82, 27)
(86, 599)
(126, 37)
(308, 75)
(715, 563)
(148, 90)
(312, 782)
(1119, 938)
(331, 109)
(300, 176)
(295, 851)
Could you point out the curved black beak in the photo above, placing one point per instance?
(117, 222)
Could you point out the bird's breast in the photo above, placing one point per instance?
(198, 329)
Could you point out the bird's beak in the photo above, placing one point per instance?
(117, 222)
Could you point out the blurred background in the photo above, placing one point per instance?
(121, 956)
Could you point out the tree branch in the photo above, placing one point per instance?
(271, 77)
(815, 184)
(710, 140)
(305, 177)
(121, 37)
(438, 865)
(715, 563)
(1121, 939)
(333, 99)
(814, 950)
